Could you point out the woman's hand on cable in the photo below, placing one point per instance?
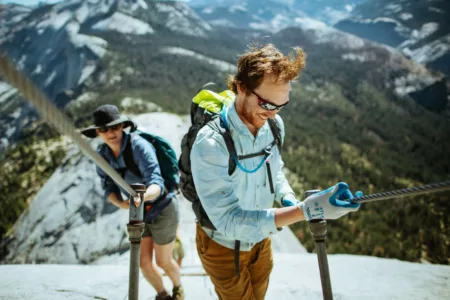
(125, 204)
(331, 203)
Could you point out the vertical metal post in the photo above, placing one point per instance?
(318, 230)
(135, 228)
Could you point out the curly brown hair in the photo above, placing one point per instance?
(267, 59)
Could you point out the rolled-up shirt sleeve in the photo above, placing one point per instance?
(144, 154)
(209, 165)
(108, 184)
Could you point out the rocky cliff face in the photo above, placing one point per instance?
(71, 32)
(80, 34)
(70, 221)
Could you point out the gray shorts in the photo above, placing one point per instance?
(163, 229)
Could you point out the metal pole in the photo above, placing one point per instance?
(135, 228)
(318, 230)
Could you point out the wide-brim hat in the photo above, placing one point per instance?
(105, 116)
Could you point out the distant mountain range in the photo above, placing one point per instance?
(420, 29)
(75, 33)
(354, 113)
(271, 15)
(71, 32)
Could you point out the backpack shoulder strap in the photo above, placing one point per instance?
(276, 131)
(100, 150)
(217, 125)
(128, 157)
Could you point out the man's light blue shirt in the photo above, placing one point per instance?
(240, 205)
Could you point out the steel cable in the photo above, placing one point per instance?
(54, 116)
(428, 188)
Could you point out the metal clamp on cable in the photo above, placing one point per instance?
(135, 229)
(136, 212)
(318, 230)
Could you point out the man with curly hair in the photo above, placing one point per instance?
(237, 255)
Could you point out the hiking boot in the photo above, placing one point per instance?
(178, 293)
(163, 296)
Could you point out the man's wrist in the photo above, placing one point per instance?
(301, 206)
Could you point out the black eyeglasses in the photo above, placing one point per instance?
(107, 128)
(267, 105)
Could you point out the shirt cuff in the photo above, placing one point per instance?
(284, 191)
(288, 195)
(267, 222)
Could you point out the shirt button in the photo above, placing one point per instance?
(271, 232)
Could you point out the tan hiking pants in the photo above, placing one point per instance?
(218, 262)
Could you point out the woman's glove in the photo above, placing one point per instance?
(331, 203)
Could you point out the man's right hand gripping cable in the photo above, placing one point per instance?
(331, 203)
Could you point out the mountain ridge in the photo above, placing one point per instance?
(419, 29)
(272, 14)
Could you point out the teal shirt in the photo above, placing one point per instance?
(240, 205)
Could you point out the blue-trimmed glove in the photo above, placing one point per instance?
(331, 203)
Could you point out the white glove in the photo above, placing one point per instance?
(328, 204)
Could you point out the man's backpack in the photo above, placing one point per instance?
(206, 108)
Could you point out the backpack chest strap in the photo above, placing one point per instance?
(218, 126)
(265, 152)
